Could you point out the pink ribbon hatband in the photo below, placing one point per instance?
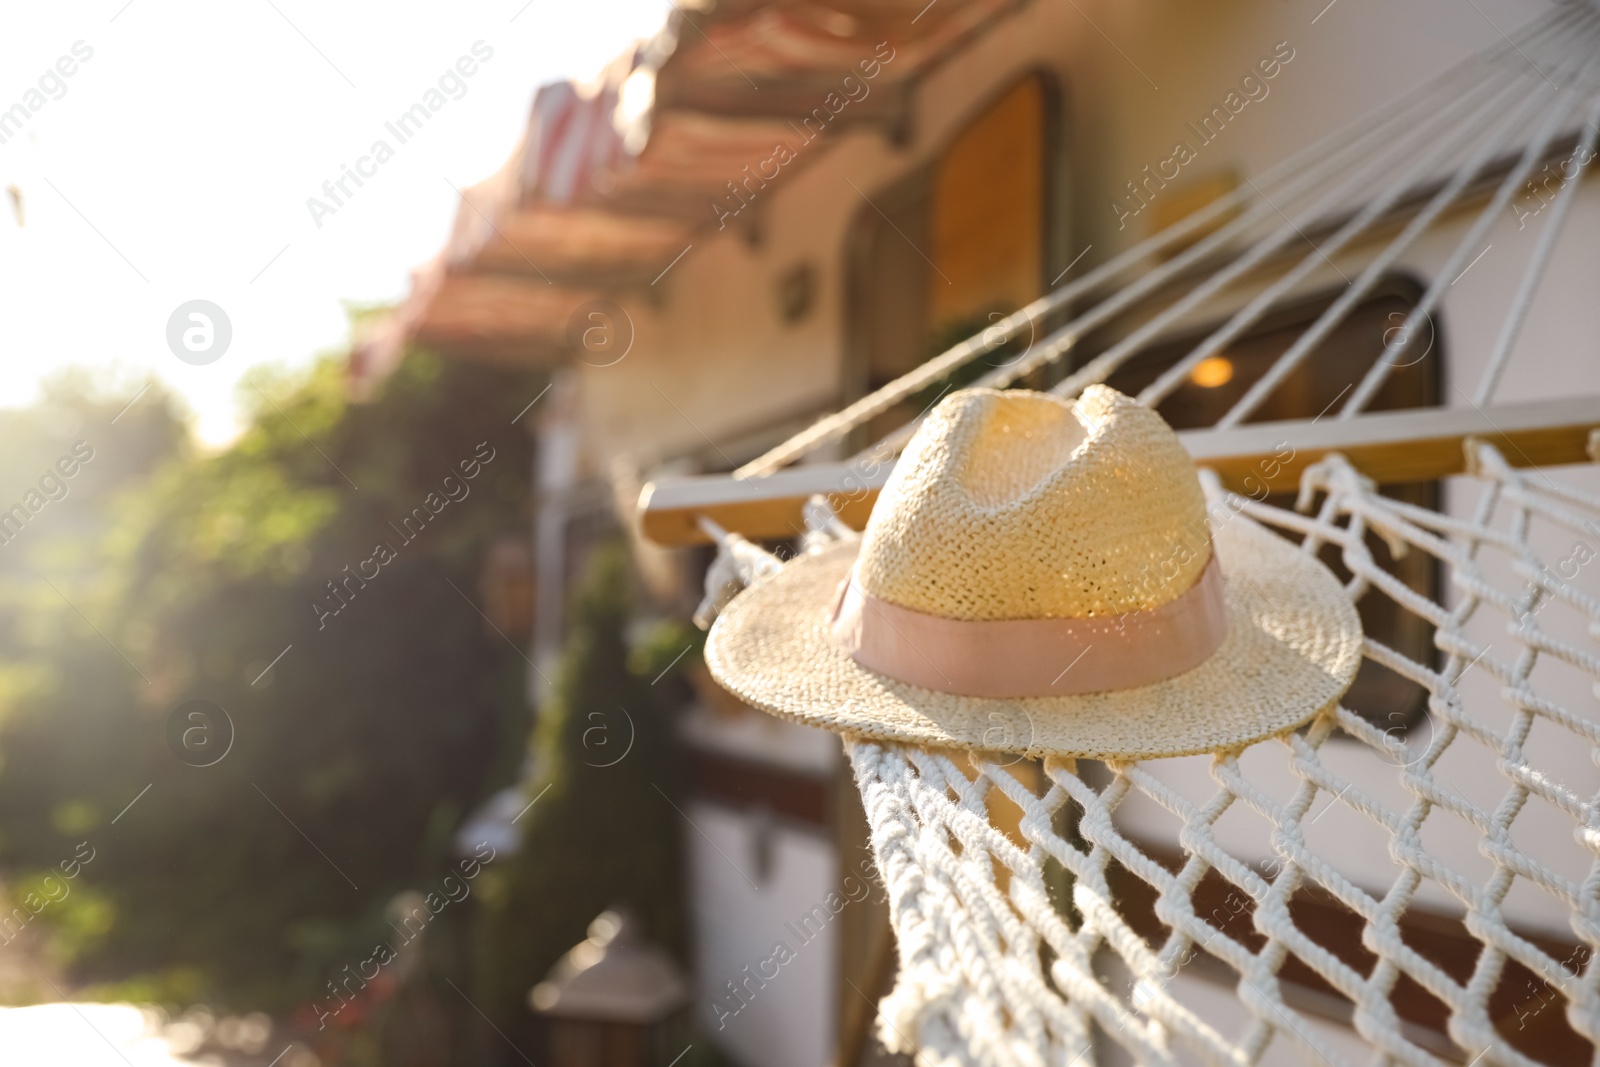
(1033, 657)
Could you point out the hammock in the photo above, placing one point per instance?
(1229, 909)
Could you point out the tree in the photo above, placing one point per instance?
(370, 707)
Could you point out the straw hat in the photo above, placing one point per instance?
(1042, 577)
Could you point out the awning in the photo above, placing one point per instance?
(613, 178)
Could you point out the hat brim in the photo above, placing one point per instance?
(1292, 649)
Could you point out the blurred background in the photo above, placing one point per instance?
(345, 717)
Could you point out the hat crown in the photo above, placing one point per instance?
(1020, 505)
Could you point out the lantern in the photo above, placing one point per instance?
(613, 999)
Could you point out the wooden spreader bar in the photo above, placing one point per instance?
(1388, 446)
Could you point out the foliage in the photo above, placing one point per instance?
(605, 826)
(171, 575)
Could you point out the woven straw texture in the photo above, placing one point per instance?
(1079, 508)
(1293, 645)
(1012, 505)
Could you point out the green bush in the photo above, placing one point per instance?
(605, 829)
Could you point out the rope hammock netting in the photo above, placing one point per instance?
(1420, 891)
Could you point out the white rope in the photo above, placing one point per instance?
(1548, 236)
(1451, 139)
(970, 907)
(1347, 160)
(1358, 168)
(1328, 156)
(1424, 164)
(1374, 272)
(738, 564)
(1469, 246)
(823, 526)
